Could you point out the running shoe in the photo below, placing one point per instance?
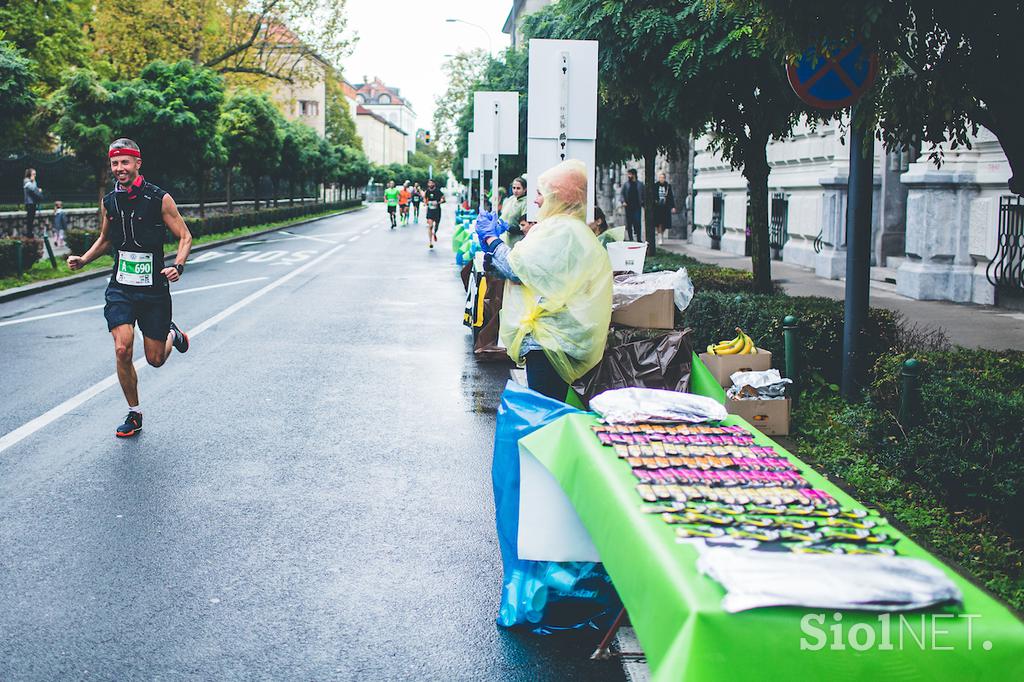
(132, 425)
(180, 339)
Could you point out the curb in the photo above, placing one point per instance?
(48, 285)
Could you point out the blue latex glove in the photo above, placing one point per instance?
(487, 226)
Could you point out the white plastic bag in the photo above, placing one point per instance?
(755, 579)
(628, 288)
(631, 405)
(768, 384)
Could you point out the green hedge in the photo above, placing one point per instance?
(714, 316)
(31, 251)
(705, 277)
(968, 445)
(80, 240)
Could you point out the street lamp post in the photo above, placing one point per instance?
(490, 47)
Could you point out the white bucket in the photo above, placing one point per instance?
(627, 256)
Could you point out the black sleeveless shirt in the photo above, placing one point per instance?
(136, 234)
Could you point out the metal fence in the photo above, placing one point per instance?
(1006, 269)
(778, 224)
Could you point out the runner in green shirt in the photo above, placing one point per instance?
(391, 200)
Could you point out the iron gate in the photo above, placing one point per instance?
(714, 229)
(778, 225)
(1006, 269)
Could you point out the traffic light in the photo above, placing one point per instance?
(426, 136)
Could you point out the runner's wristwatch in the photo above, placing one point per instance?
(180, 267)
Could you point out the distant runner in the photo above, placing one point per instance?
(417, 199)
(135, 216)
(391, 200)
(434, 198)
(404, 196)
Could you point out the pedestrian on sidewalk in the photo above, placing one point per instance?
(60, 223)
(665, 205)
(33, 197)
(633, 202)
(557, 302)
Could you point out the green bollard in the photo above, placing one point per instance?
(910, 392)
(18, 258)
(49, 252)
(790, 331)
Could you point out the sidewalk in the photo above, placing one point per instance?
(970, 325)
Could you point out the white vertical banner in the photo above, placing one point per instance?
(496, 124)
(562, 117)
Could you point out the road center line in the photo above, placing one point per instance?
(47, 316)
(25, 430)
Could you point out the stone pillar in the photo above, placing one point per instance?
(938, 263)
(890, 236)
(830, 263)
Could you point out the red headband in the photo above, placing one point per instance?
(125, 152)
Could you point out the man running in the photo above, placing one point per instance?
(417, 199)
(132, 226)
(434, 198)
(404, 195)
(391, 199)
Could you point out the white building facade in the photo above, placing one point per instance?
(387, 102)
(936, 229)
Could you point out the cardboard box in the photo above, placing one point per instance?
(723, 366)
(770, 417)
(656, 310)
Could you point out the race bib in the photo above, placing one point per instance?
(432, 204)
(135, 269)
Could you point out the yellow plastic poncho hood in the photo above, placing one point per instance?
(565, 300)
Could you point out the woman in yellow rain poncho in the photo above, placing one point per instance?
(558, 300)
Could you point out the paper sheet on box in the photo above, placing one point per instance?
(549, 528)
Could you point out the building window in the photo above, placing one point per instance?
(309, 107)
(384, 99)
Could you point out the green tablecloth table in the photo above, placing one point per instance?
(686, 635)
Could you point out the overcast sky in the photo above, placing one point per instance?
(404, 42)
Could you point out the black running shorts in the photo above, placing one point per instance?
(151, 309)
(434, 214)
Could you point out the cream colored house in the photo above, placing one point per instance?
(383, 141)
(387, 102)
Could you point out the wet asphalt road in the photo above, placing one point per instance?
(309, 498)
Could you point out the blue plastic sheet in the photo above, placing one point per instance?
(545, 595)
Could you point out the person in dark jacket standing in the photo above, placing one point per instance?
(664, 205)
(33, 197)
(633, 202)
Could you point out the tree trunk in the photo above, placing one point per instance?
(227, 188)
(650, 219)
(756, 170)
(203, 176)
(291, 192)
(256, 193)
(275, 183)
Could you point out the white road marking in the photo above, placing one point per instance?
(72, 403)
(354, 237)
(97, 307)
(306, 236)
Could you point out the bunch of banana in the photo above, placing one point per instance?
(741, 345)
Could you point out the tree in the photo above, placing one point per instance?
(49, 33)
(249, 128)
(254, 40)
(744, 101)
(172, 111)
(16, 98)
(302, 157)
(340, 123)
(81, 115)
(462, 72)
(946, 67)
